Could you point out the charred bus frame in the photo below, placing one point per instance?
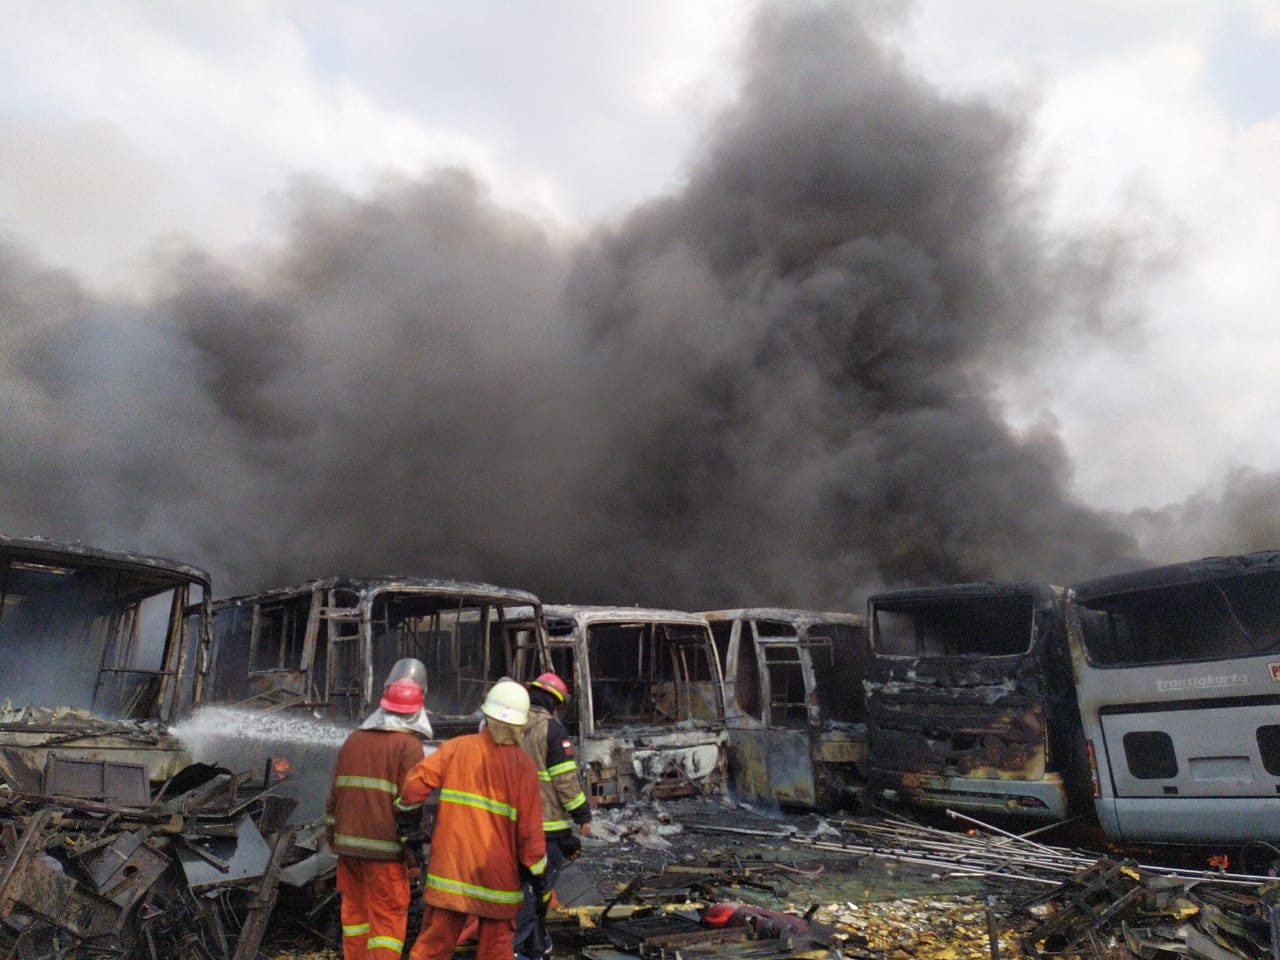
(112, 841)
(794, 702)
(325, 646)
(99, 642)
(970, 701)
(1178, 676)
(646, 700)
(293, 670)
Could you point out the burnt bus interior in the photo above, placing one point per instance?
(645, 703)
(563, 656)
(642, 673)
(329, 645)
(97, 632)
(797, 712)
(838, 664)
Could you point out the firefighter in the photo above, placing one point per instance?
(547, 741)
(488, 831)
(364, 816)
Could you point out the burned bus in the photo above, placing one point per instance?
(1178, 676)
(97, 650)
(325, 646)
(970, 702)
(112, 841)
(293, 670)
(646, 701)
(794, 703)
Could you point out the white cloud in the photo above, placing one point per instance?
(1138, 110)
(134, 119)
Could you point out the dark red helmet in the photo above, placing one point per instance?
(403, 696)
(551, 683)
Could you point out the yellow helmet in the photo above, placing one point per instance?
(507, 701)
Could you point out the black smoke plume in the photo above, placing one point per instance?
(774, 385)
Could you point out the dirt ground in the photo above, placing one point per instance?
(892, 887)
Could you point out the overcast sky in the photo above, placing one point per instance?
(124, 123)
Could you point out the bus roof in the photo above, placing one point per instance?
(1173, 574)
(41, 550)
(464, 590)
(1009, 588)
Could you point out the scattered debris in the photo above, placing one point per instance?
(894, 889)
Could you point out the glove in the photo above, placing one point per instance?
(541, 895)
(409, 829)
(570, 847)
(414, 838)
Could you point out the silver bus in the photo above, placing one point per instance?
(1177, 670)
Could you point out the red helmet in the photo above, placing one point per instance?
(552, 684)
(403, 696)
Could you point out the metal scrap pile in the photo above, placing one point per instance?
(192, 872)
(1091, 907)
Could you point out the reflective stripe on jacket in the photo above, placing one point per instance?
(360, 809)
(488, 824)
(547, 741)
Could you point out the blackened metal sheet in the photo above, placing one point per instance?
(246, 856)
(96, 779)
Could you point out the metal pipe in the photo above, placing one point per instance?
(993, 935)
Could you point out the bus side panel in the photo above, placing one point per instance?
(1211, 752)
(1184, 752)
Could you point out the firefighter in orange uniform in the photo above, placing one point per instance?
(362, 810)
(488, 831)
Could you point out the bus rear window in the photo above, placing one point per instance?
(1207, 620)
(982, 626)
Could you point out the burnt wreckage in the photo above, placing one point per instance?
(971, 702)
(163, 757)
(646, 700)
(294, 670)
(112, 841)
(796, 714)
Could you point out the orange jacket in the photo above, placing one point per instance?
(360, 809)
(488, 825)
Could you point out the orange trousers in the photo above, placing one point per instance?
(439, 936)
(375, 908)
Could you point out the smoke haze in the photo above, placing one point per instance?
(774, 386)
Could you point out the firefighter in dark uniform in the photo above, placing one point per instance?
(564, 804)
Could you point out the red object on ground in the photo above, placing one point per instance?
(766, 923)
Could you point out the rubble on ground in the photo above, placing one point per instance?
(653, 875)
